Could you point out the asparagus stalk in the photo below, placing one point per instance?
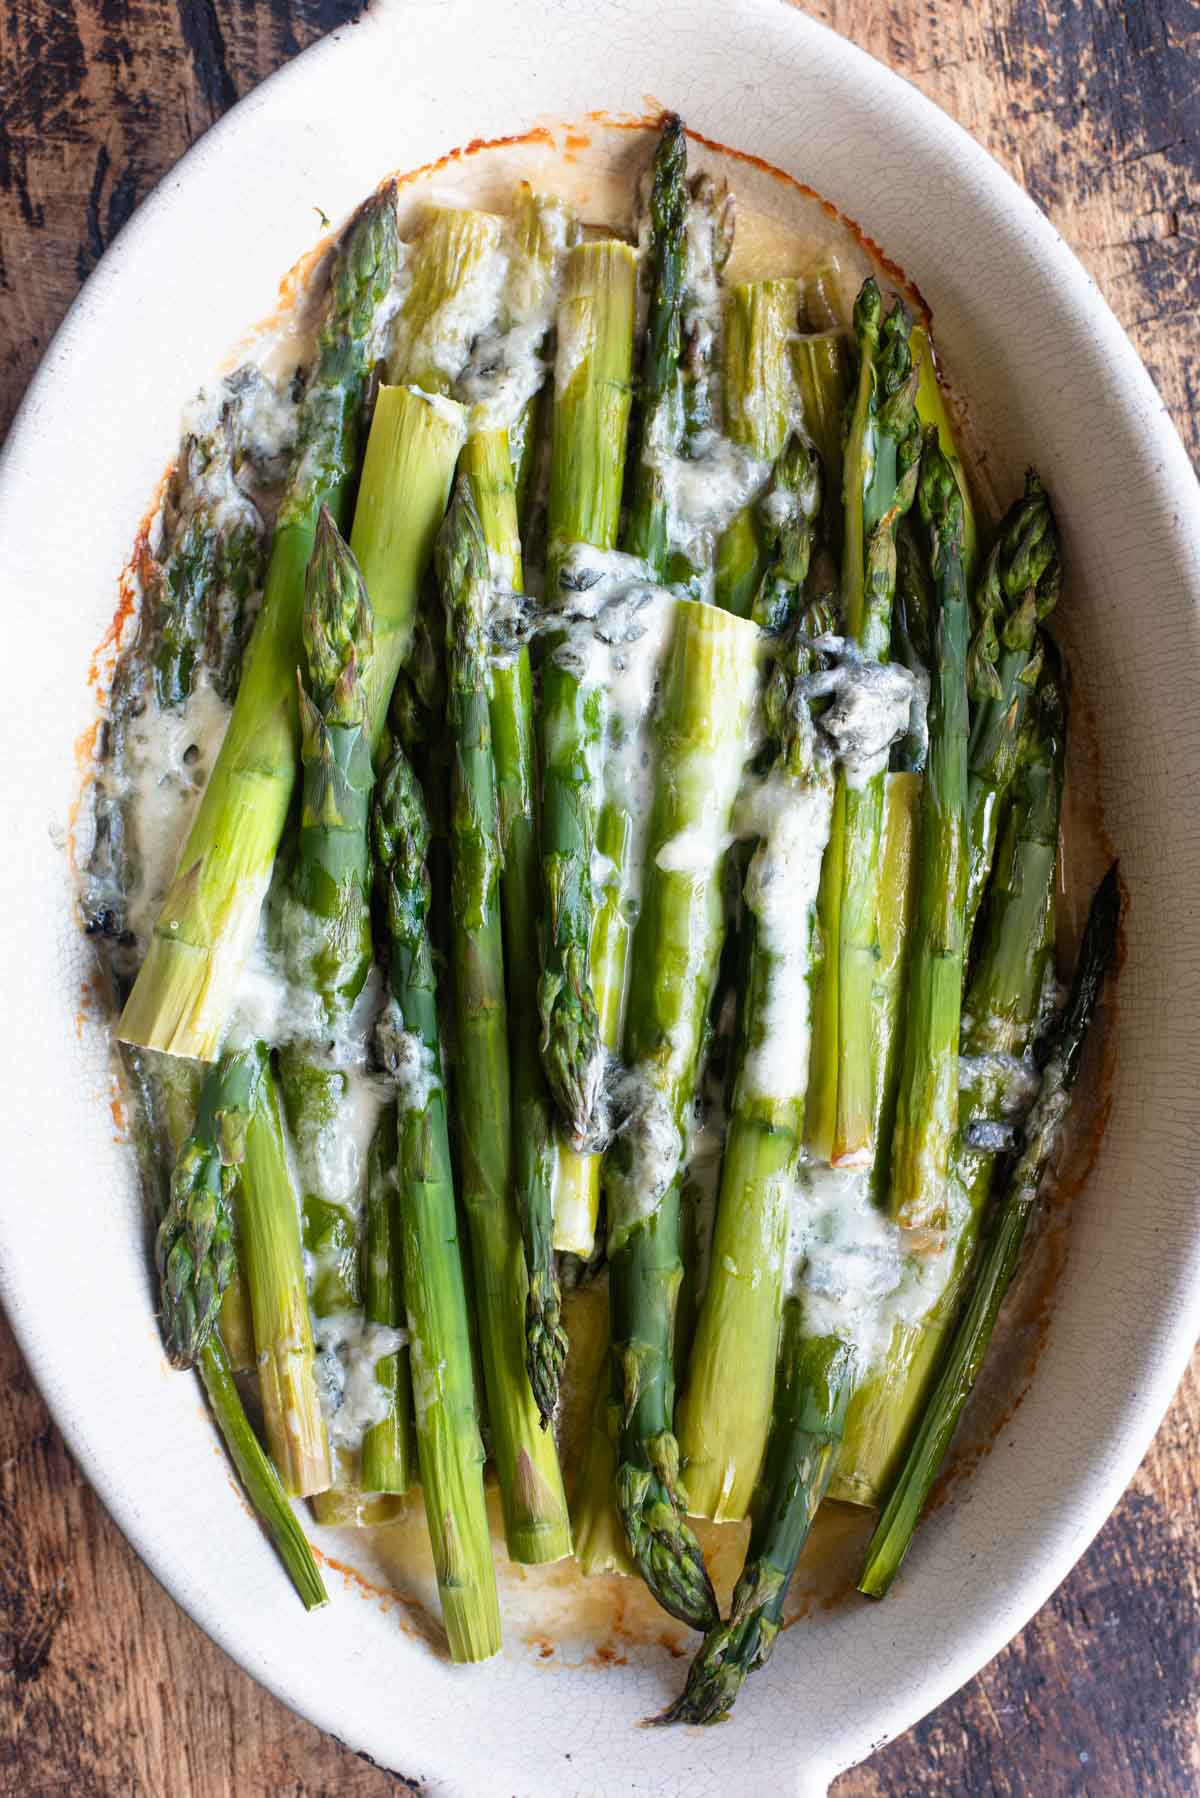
(388, 1451)
(165, 1104)
(760, 318)
(927, 1098)
(725, 1414)
(828, 304)
(536, 1524)
(912, 625)
(823, 368)
(257, 1474)
(183, 994)
(1019, 587)
(1004, 997)
(270, 1234)
(1060, 1056)
(703, 740)
(488, 465)
(710, 229)
(454, 293)
(812, 1388)
(660, 430)
(591, 412)
(406, 475)
(326, 925)
(932, 409)
(448, 1442)
(878, 485)
(195, 1249)
(163, 1110)
(502, 381)
(212, 563)
(660, 392)
(325, 929)
(596, 1527)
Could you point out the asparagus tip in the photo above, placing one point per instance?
(667, 1554)
(546, 1344)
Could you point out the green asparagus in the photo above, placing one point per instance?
(1060, 1056)
(1018, 589)
(703, 728)
(1003, 1002)
(591, 412)
(488, 465)
(927, 1097)
(658, 440)
(725, 1414)
(195, 1249)
(812, 1388)
(878, 485)
(527, 1462)
(184, 993)
(760, 318)
(274, 1258)
(435, 1299)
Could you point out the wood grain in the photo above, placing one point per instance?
(105, 1687)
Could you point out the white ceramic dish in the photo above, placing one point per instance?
(1049, 373)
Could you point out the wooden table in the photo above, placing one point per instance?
(106, 1687)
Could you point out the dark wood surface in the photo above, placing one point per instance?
(105, 1686)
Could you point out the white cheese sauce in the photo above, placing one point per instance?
(506, 367)
(443, 337)
(873, 704)
(169, 756)
(853, 1270)
(791, 819)
(351, 1396)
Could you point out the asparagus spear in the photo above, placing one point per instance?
(257, 1474)
(823, 368)
(932, 409)
(488, 465)
(325, 921)
(530, 1481)
(1060, 1056)
(454, 293)
(501, 381)
(813, 1385)
(912, 627)
(660, 395)
(591, 412)
(325, 931)
(448, 1443)
(710, 228)
(703, 737)
(760, 318)
(270, 1234)
(1018, 588)
(927, 1098)
(878, 485)
(195, 1250)
(1004, 997)
(659, 436)
(161, 1110)
(164, 1093)
(725, 1414)
(597, 1530)
(184, 992)
(406, 475)
(212, 562)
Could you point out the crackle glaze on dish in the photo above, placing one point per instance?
(1050, 375)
